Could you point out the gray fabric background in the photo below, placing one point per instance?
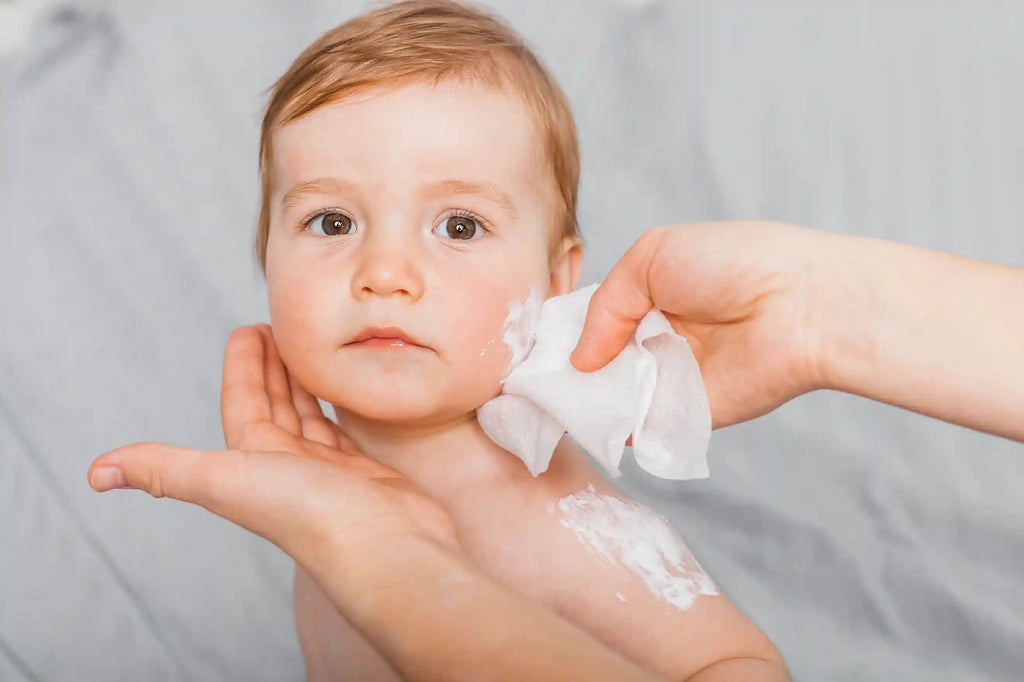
(868, 542)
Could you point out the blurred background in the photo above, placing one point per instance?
(868, 542)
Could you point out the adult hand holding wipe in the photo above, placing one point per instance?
(746, 295)
(651, 390)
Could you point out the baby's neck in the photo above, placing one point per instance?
(446, 459)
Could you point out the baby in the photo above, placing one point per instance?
(419, 177)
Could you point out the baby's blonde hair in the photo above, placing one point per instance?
(430, 40)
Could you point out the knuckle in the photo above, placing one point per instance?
(153, 482)
(153, 473)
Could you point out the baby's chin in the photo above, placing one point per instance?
(394, 410)
(406, 403)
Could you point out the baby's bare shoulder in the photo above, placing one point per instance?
(577, 543)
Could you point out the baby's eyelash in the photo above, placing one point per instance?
(463, 213)
(307, 221)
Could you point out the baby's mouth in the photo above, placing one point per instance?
(382, 343)
(384, 338)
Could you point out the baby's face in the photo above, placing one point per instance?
(426, 208)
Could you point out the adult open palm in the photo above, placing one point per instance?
(289, 473)
(736, 291)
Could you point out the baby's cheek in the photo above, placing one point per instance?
(304, 337)
(485, 357)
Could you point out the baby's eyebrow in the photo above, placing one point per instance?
(484, 189)
(325, 185)
(328, 185)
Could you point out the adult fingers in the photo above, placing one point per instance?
(277, 385)
(344, 442)
(315, 425)
(243, 394)
(617, 307)
(264, 492)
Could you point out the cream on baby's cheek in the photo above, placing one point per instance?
(637, 539)
(520, 325)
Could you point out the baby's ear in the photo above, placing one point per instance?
(565, 266)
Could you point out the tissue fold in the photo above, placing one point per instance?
(651, 390)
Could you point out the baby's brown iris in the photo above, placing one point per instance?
(336, 223)
(460, 227)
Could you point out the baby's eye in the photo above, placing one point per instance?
(333, 224)
(458, 227)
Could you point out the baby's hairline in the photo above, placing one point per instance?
(557, 233)
(429, 41)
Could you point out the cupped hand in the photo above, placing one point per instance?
(289, 474)
(740, 292)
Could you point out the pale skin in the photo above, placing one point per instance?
(380, 547)
(385, 553)
(791, 308)
(773, 311)
(396, 162)
(511, 578)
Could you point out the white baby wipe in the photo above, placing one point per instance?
(651, 390)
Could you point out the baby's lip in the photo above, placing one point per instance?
(386, 333)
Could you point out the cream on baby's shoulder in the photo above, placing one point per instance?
(512, 527)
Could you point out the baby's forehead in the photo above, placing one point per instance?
(430, 131)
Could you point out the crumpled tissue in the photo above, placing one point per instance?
(651, 390)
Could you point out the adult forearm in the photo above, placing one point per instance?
(433, 616)
(935, 333)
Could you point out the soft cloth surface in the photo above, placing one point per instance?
(868, 542)
(652, 390)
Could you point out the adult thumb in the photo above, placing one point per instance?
(616, 308)
(260, 491)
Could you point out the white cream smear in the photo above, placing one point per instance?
(520, 328)
(635, 538)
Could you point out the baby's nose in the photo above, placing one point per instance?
(386, 271)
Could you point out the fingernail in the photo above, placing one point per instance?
(106, 478)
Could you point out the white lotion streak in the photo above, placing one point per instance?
(636, 538)
(521, 328)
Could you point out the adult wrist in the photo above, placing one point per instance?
(837, 294)
(433, 615)
(855, 310)
(356, 575)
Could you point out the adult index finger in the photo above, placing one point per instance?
(315, 425)
(278, 388)
(617, 307)
(243, 395)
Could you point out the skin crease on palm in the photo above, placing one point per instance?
(387, 150)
